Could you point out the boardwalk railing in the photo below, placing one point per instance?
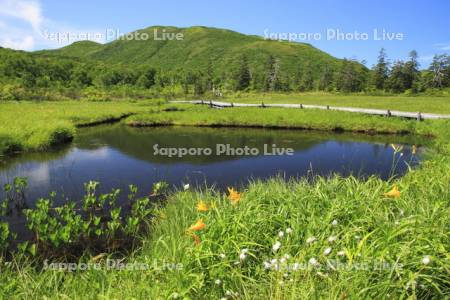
(394, 113)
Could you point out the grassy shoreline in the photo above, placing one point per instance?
(37, 126)
(282, 118)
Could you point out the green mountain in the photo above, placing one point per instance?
(78, 49)
(173, 60)
(199, 47)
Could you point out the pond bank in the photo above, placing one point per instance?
(107, 120)
(279, 118)
(38, 126)
(48, 124)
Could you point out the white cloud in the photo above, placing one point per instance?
(442, 46)
(27, 11)
(24, 27)
(21, 24)
(27, 43)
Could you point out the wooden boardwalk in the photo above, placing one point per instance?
(380, 112)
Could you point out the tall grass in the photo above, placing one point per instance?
(28, 126)
(199, 115)
(380, 246)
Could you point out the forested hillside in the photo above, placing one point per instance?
(204, 60)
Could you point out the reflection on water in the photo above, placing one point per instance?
(116, 156)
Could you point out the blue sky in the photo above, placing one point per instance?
(423, 24)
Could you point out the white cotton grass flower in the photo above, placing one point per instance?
(287, 256)
(280, 234)
(289, 230)
(282, 260)
(228, 293)
(313, 262)
(426, 260)
(267, 265)
(296, 266)
(341, 253)
(222, 256)
(332, 239)
(325, 275)
(311, 239)
(276, 267)
(411, 284)
(357, 237)
(245, 251)
(242, 256)
(274, 264)
(276, 246)
(218, 282)
(327, 251)
(186, 186)
(334, 223)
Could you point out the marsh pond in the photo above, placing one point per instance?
(117, 155)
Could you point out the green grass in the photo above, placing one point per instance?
(427, 104)
(371, 227)
(198, 115)
(30, 126)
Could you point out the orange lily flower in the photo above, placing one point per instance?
(202, 206)
(199, 225)
(394, 193)
(234, 196)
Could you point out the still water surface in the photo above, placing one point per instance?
(117, 156)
